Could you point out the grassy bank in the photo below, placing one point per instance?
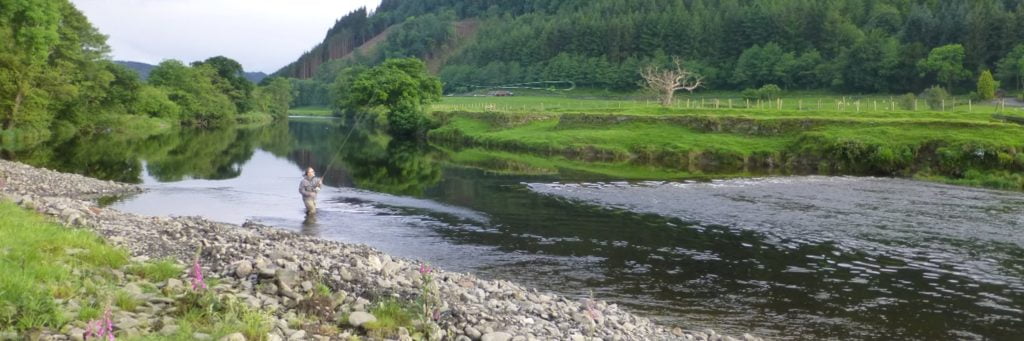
(956, 147)
(547, 101)
(58, 279)
(311, 111)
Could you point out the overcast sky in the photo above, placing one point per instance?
(263, 35)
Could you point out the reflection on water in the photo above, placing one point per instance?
(848, 258)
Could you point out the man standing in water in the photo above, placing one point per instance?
(309, 187)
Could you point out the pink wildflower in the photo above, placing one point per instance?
(425, 269)
(101, 328)
(197, 276)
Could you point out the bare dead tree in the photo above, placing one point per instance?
(665, 82)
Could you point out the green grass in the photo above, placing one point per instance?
(796, 102)
(126, 301)
(391, 314)
(970, 148)
(42, 261)
(36, 258)
(311, 111)
(157, 271)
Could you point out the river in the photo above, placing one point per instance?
(780, 257)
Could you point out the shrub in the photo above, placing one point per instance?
(907, 102)
(766, 92)
(936, 96)
(987, 86)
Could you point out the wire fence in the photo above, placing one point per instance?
(841, 104)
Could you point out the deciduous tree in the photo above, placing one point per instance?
(666, 81)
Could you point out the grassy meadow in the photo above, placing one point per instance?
(636, 139)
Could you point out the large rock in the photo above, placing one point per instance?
(233, 337)
(298, 335)
(473, 333)
(359, 318)
(243, 269)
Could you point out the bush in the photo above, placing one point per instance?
(766, 92)
(936, 96)
(987, 86)
(908, 101)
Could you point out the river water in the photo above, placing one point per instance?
(781, 257)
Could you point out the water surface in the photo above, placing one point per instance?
(782, 257)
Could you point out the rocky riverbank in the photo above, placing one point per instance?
(313, 288)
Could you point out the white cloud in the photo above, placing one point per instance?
(262, 35)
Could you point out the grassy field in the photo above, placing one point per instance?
(636, 140)
(534, 101)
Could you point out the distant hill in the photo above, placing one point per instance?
(844, 45)
(143, 70)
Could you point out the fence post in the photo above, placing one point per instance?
(970, 105)
(915, 104)
(730, 103)
(943, 104)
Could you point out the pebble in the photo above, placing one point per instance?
(359, 318)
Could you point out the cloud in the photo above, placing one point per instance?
(262, 35)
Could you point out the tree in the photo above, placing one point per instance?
(666, 81)
(1010, 69)
(400, 86)
(28, 30)
(231, 81)
(987, 86)
(947, 63)
(195, 92)
(275, 97)
(768, 65)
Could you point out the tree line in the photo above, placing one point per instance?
(56, 74)
(891, 46)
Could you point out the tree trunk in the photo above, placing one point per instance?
(18, 98)
(666, 97)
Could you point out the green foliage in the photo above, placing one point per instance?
(947, 63)
(195, 91)
(986, 86)
(758, 66)
(230, 80)
(766, 92)
(1010, 69)
(908, 101)
(153, 101)
(420, 36)
(402, 87)
(275, 97)
(937, 98)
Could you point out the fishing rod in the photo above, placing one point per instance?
(343, 142)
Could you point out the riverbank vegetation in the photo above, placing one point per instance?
(56, 78)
